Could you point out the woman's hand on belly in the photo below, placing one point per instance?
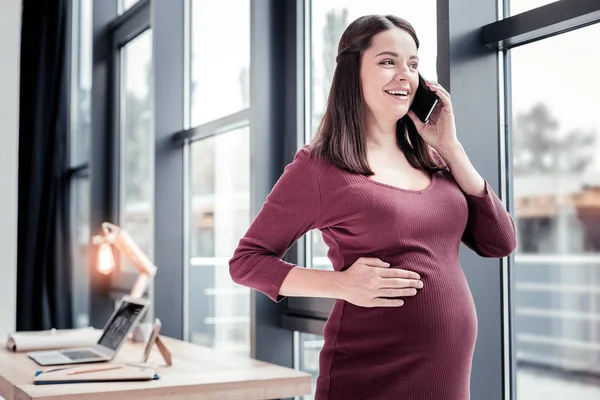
(369, 282)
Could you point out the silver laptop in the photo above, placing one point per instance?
(123, 320)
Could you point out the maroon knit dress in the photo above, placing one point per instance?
(420, 351)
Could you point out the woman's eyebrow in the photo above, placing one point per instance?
(394, 54)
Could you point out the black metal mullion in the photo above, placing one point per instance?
(540, 23)
(79, 171)
(304, 324)
(169, 236)
(130, 13)
(215, 127)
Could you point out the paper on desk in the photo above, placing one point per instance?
(53, 339)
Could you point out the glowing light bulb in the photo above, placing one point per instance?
(106, 261)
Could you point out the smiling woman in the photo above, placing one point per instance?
(375, 56)
(327, 21)
(403, 309)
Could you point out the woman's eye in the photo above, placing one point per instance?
(387, 62)
(414, 65)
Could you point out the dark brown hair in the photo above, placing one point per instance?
(341, 135)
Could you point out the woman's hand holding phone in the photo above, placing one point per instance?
(440, 130)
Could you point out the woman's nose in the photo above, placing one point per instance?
(402, 73)
(401, 77)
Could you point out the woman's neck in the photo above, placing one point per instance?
(380, 134)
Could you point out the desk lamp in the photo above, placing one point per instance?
(113, 235)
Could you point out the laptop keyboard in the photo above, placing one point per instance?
(79, 354)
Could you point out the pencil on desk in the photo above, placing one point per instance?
(85, 371)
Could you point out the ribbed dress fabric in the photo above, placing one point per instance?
(420, 351)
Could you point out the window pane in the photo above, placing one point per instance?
(80, 244)
(127, 4)
(520, 6)
(220, 216)
(556, 128)
(81, 68)
(82, 83)
(220, 69)
(310, 347)
(329, 19)
(137, 143)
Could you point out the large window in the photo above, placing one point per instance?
(220, 63)
(328, 20)
(219, 174)
(556, 162)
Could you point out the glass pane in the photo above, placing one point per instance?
(220, 216)
(220, 69)
(127, 4)
(137, 143)
(82, 83)
(520, 6)
(80, 244)
(556, 148)
(80, 153)
(310, 347)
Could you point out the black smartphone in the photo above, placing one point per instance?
(424, 101)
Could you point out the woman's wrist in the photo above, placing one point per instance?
(308, 282)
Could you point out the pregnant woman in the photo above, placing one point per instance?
(393, 198)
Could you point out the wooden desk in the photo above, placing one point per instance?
(197, 373)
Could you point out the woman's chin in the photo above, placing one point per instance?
(394, 113)
(400, 113)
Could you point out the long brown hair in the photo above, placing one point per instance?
(341, 135)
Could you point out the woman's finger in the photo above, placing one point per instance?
(439, 88)
(399, 273)
(373, 262)
(443, 96)
(392, 293)
(399, 283)
(418, 123)
(377, 302)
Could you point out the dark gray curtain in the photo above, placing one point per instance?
(43, 277)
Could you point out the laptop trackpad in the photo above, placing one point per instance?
(82, 354)
(50, 358)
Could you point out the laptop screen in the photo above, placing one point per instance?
(119, 324)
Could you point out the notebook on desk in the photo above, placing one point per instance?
(88, 373)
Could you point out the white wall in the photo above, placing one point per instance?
(10, 42)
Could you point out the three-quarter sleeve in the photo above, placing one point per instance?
(490, 230)
(291, 209)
